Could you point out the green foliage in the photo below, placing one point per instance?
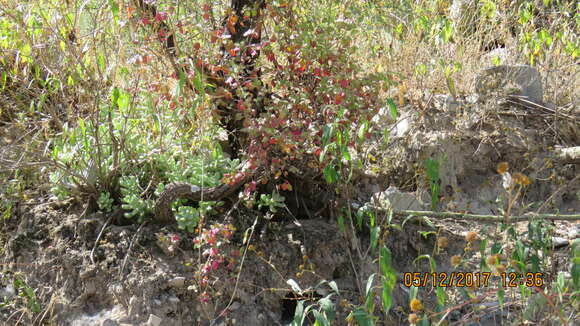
(273, 201)
(188, 217)
(114, 151)
(133, 204)
(27, 294)
(432, 170)
(389, 278)
(134, 128)
(575, 270)
(105, 202)
(322, 309)
(326, 115)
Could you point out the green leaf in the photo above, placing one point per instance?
(114, 9)
(123, 101)
(392, 108)
(101, 62)
(328, 307)
(407, 219)
(345, 154)
(115, 97)
(334, 287)
(575, 270)
(496, 248)
(181, 84)
(374, 238)
(386, 298)
(432, 262)
(426, 234)
(488, 9)
(432, 169)
(446, 31)
(362, 130)
(295, 287)
(369, 286)
(299, 314)
(424, 322)
(441, 296)
(327, 132)
(361, 317)
(389, 278)
(330, 174)
(320, 319)
(341, 225)
(198, 82)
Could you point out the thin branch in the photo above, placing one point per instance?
(487, 218)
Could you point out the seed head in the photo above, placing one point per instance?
(413, 319)
(455, 260)
(471, 236)
(442, 242)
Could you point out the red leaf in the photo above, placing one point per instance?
(161, 16)
(250, 187)
(234, 51)
(240, 105)
(252, 52)
(286, 186)
(231, 81)
(338, 98)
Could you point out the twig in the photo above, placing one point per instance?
(99, 237)
(486, 218)
(555, 192)
(240, 271)
(129, 250)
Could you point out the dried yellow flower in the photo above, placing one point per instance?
(500, 268)
(521, 179)
(416, 305)
(502, 167)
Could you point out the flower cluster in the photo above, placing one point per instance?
(210, 241)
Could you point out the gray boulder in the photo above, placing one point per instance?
(520, 80)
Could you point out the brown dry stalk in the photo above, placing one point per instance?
(488, 218)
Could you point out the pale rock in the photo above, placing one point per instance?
(519, 80)
(109, 322)
(398, 200)
(154, 320)
(177, 282)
